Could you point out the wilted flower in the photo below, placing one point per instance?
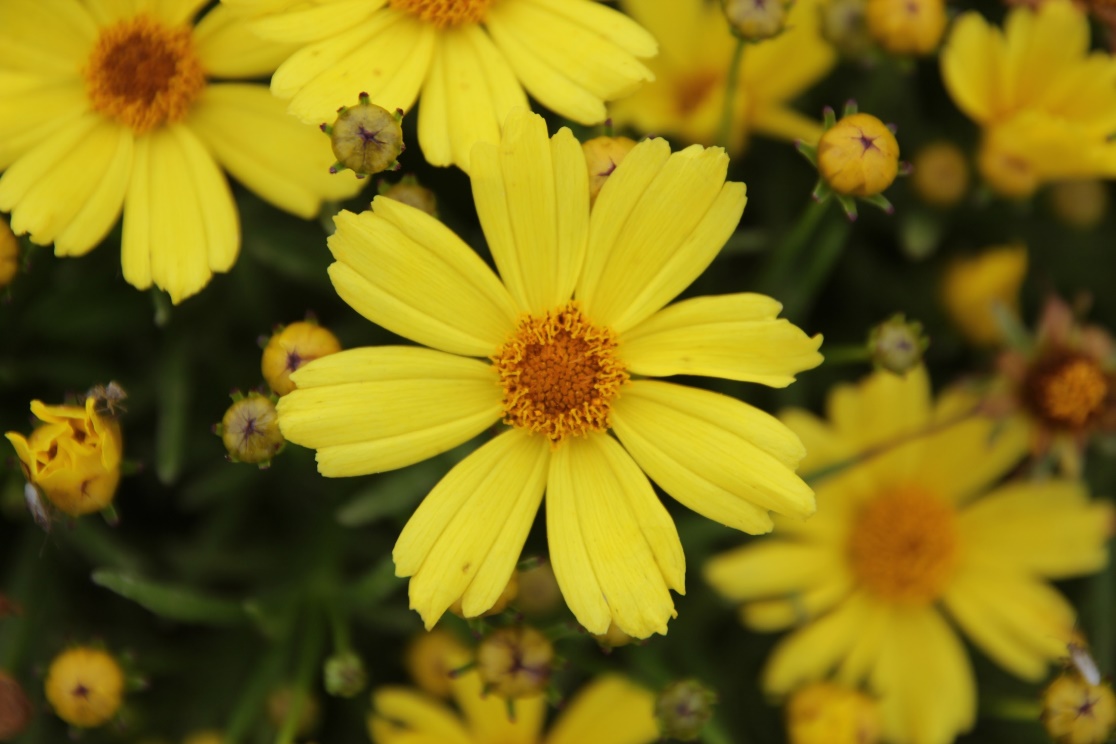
(85, 686)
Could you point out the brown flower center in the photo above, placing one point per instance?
(1067, 390)
(560, 374)
(144, 74)
(903, 546)
(442, 13)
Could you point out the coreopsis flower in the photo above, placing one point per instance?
(828, 713)
(470, 59)
(609, 709)
(976, 288)
(114, 108)
(292, 346)
(686, 99)
(940, 174)
(1077, 711)
(910, 544)
(1045, 102)
(72, 457)
(906, 27)
(568, 338)
(85, 686)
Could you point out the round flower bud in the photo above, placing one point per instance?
(250, 429)
(15, 708)
(1005, 166)
(825, 713)
(1076, 712)
(912, 27)
(973, 287)
(409, 191)
(205, 737)
(506, 597)
(613, 638)
(1080, 204)
(366, 138)
(844, 25)
(683, 709)
(897, 344)
(539, 593)
(602, 155)
(73, 457)
(9, 254)
(940, 174)
(345, 675)
(755, 20)
(515, 662)
(279, 704)
(85, 686)
(858, 156)
(430, 659)
(292, 346)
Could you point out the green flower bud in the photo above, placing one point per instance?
(684, 708)
(897, 344)
(345, 675)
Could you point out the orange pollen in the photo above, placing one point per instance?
(560, 374)
(1069, 390)
(442, 13)
(144, 74)
(903, 546)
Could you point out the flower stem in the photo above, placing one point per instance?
(309, 659)
(847, 354)
(732, 80)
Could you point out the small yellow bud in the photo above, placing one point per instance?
(973, 286)
(73, 457)
(755, 20)
(85, 686)
(15, 708)
(897, 344)
(844, 25)
(366, 138)
(1005, 166)
(430, 659)
(205, 737)
(250, 429)
(291, 347)
(409, 191)
(940, 175)
(344, 675)
(683, 709)
(279, 704)
(9, 254)
(825, 713)
(602, 155)
(1076, 712)
(858, 156)
(515, 662)
(1080, 204)
(613, 637)
(506, 597)
(539, 593)
(913, 27)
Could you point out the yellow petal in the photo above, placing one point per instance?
(416, 713)
(971, 61)
(610, 709)
(532, 196)
(472, 526)
(101, 208)
(649, 238)
(45, 37)
(810, 653)
(1042, 47)
(733, 336)
(302, 24)
(177, 12)
(32, 109)
(488, 717)
(772, 567)
(600, 543)
(375, 409)
(434, 115)
(606, 22)
(229, 49)
(770, 615)
(405, 270)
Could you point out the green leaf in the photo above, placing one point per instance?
(171, 602)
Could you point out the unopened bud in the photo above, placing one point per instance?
(755, 20)
(613, 638)
(345, 675)
(250, 429)
(507, 596)
(431, 658)
(1076, 712)
(539, 593)
(940, 175)
(366, 138)
(515, 662)
(9, 254)
(85, 686)
(602, 155)
(292, 346)
(907, 27)
(858, 156)
(897, 344)
(844, 25)
(409, 191)
(15, 708)
(825, 713)
(683, 709)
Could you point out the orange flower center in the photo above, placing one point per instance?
(560, 374)
(144, 74)
(1068, 391)
(903, 546)
(442, 13)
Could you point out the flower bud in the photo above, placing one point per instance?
(1081, 204)
(1076, 712)
(250, 429)
(409, 191)
(825, 713)
(906, 27)
(506, 597)
(858, 156)
(292, 346)
(940, 175)
(683, 709)
(602, 155)
(85, 686)
(897, 344)
(515, 662)
(430, 659)
(844, 25)
(974, 286)
(539, 593)
(205, 737)
(613, 638)
(279, 704)
(73, 457)
(9, 254)
(15, 708)
(755, 20)
(345, 675)
(366, 138)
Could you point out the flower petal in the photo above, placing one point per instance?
(32, 109)
(488, 717)
(610, 709)
(45, 37)
(810, 653)
(228, 48)
(471, 528)
(971, 66)
(733, 336)
(397, 709)
(770, 615)
(613, 562)
(380, 408)
(532, 196)
(772, 567)
(316, 22)
(405, 270)
(177, 12)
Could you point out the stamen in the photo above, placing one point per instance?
(442, 13)
(1067, 390)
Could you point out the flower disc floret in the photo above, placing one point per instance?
(1067, 390)
(442, 13)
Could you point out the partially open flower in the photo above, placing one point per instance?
(366, 138)
(292, 346)
(15, 708)
(73, 457)
(602, 155)
(976, 288)
(9, 254)
(683, 709)
(250, 429)
(907, 27)
(940, 174)
(755, 20)
(1074, 711)
(515, 662)
(85, 686)
(827, 713)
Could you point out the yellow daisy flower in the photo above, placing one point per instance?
(471, 59)
(610, 709)
(107, 105)
(687, 97)
(1047, 103)
(906, 545)
(572, 330)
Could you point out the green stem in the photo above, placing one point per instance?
(266, 678)
(787, 256)
(816, 270)
(847, 354)
(1012, 709)
(310, 656)
(339, 625)
(22, 587)
(732, 80)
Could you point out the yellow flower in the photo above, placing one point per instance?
(73, 457)
(1047, 104)
(906, 26)
(430, 658)
(579, 313)
(9, 254)
(609, 709)
(858, 156)
(602, 155)
(1077, 712)
(687, 97)
(292, 346)
(906, 538)
(974, 286)
(109, 109)
(940, 174)
(825, 713)
(471, 59)
(85, 686)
